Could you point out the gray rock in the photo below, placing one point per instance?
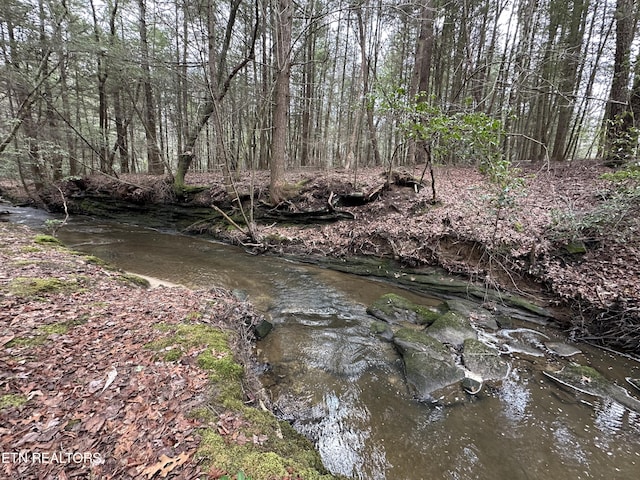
(588, 380)
(472, 384)
(262, 329)
(477, 314)
(562, 349)
(452, 328)
(429, 365)
(634, 382)
(394, 308)
(484, 360)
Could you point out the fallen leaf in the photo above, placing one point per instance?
(95, 423)
(165, 465)
(111, 376)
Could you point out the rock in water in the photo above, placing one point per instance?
(478, 315)
(588, 380)
(634, 382)
(452, 328)
(484, 361)
(429, 366)
(472, 383)
(262, 329)
(394, 308)
(562, 349)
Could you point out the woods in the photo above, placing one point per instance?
(165, 87)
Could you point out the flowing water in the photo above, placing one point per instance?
(344, 388)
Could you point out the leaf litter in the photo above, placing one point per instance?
(98, 403)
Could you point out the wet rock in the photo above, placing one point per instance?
(382, 329)
(478, 315)
(588, 380)
(523, 341)
(472, 383)
(562, 349)
(484, 360)
(452, 328)
(634, 382)
(262, 329)
(394, 308)
(429, 365)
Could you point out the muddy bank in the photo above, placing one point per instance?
(550, 242)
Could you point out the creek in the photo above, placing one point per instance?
(344, 387)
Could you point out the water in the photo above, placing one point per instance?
(343, 387)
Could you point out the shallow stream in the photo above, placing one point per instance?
(344, 387)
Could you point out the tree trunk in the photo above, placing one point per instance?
(366, 104)
(422, 67)
(616, 148)
(284, 23)
(154, 165)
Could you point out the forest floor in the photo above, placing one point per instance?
(102, 377)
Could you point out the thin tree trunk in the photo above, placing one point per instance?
(366, 104)
(284, 24)
(154, 159)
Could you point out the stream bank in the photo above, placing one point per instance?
(332, 372)
(107, 378)
(551, 244)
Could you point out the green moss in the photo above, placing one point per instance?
(263, 462)
(173, 355)
(576, 247)
(54, 329)
(417, 337)
(584, 373)
(44, 331)
(450, 320)
(132, 279)
(24, 263)
(12, 400)
(30, 341)
(215, 357)
(378, 327)
(282, 450)
(42, 239)
(72, 423)
(225, 367)
(61, 328)
(193, 316)
(29, 249)
(390, 304)
(91, 259)
(33, 287)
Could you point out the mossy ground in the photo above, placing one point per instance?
(42, 333)
(261, 446)
(34, 287)
(12, 400)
